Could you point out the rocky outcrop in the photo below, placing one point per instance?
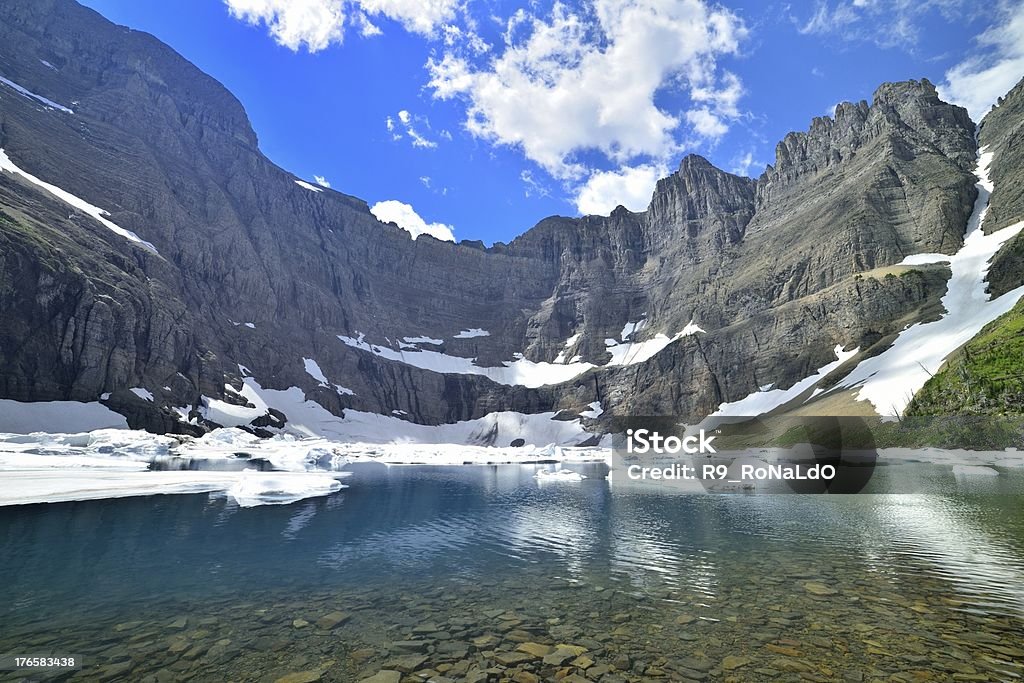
(254, 270)
(1002, 132)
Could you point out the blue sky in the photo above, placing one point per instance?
(480, 117)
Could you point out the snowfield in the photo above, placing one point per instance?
(522, 371)
(891, 379)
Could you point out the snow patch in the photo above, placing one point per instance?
(890, 379)
(764, 401)
(308, 186)
(422, 340)
(595, 411)
(518, 372)
(314, 371)
(144, 394)
(924, 259)
(31, 95)
(474, 332)
(97, 213)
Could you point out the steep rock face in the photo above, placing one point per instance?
(1003, 133)
(255, 270)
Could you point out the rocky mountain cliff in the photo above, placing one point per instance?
(723, 286)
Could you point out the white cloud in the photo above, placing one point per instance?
(742, 164)
(317, 24)
(407, 219)
(587, 80)
(321, 181)
(533, 187)
(293, 23)
(408, 127)
(706, 124)
(631, 187)
(886, 23)
(978, 81)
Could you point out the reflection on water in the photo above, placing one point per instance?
(469, 562)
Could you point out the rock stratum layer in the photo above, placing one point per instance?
(251, 274)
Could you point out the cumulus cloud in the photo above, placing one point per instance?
(316, 24)
(392, 211)
(631, 187)
(321, 181)
(978, 81)
(583, 80)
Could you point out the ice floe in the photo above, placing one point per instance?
(77, 202)
(543, 476)
(253, 488)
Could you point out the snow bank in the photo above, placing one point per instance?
(77, 202)
(31, 95)
(70, 416)
(765, 401)
(595, 411)
(890, 379)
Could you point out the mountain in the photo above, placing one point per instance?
(153, 260)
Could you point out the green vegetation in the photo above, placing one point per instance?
(985, 377)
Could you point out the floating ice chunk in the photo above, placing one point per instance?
(974, 470)
(77, 202)
(474, 332)
(558, 475)
(280, 488)
(144, 394)
(31, 95)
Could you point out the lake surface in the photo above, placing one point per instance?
(444, 572)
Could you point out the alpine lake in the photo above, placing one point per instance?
(480, 573)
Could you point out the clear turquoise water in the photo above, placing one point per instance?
(471, 561)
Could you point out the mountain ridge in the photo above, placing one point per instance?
(255, 270)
